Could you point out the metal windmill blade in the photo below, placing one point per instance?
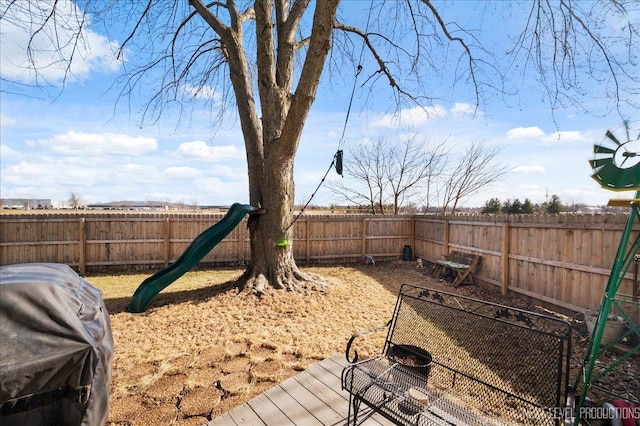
(616, 162)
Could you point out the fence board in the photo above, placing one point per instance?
(564, 260)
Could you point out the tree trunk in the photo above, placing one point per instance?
(283, 117)
(272, 260)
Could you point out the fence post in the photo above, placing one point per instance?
(413, 234)
(504, 284)
(307, 242)
(364, 237)
(82, 244)
(242, 235)
(445, 242)
(167, 241)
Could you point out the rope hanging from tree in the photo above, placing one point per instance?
(336, 161)
(338, 156)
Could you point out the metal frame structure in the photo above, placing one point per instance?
(469, 362)
(594, 366)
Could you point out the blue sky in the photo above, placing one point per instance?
(54, 142)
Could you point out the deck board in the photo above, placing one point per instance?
(294, 410)
(316, 406)
(242, 415)
(268, 412)
(313, 397)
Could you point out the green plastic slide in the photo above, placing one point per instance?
(198, 249)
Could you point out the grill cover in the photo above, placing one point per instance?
(55, 347)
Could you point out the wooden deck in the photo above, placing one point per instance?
(313, 397)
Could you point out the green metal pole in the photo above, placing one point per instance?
(618, 271)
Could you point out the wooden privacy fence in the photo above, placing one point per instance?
(564, 260)
(108, 242)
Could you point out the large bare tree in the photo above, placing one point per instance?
(273, 52)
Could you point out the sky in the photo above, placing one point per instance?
(72, 136)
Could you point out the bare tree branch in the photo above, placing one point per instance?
(561, 38)
(135, 29)
(476, 168)
(383, 69)
(211, 19)
(470, 59)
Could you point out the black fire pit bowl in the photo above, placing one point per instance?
(413, 358)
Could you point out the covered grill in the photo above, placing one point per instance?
(56, 347)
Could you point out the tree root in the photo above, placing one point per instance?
(291, 279)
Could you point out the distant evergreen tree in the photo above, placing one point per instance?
(527, 206)
(491, 207)
(508, 207)
(554, 206)
(516, 207)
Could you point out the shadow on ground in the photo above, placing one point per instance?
(120, 304)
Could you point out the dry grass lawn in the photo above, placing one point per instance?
(202, 348)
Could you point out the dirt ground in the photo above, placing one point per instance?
(203, 348)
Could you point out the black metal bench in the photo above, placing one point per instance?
(461, 264)
(452, 360)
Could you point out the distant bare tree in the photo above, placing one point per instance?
(302, 200)
(364, 165)
(387, 176)
(413, 166)
(75, 200)
(573, 206)
(477, 168)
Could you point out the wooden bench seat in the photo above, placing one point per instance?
(460, 264)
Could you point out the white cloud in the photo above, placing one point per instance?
(202, 151)
(138, 173)
(576, 195)
(530, 187)
(410, 117)
(53, 45)
(564, 137)
(201, 92)
(55, 178)
(181, 172)
(460, 109)
(48, 172)
(529, 169)
(308, 177)
(76, 143)
(525, 133)
(5, 120)
(214, 187)
(7, 153)
(77, 171)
